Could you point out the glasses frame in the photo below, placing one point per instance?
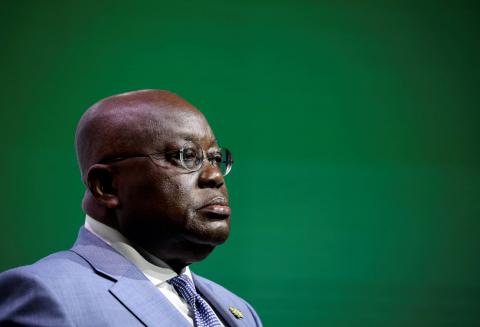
(161, 155)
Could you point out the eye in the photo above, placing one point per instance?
(191, 157)
(215, 157)
(189, 154)
(172, 155)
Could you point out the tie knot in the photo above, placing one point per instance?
(184, 286)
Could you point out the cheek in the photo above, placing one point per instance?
(155, 193)
(176, 191)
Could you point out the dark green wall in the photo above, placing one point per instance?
(354, 128)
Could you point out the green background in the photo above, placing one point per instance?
(354, 127)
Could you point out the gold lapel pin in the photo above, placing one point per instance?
(237, 313)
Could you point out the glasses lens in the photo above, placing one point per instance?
(221, 158)
(191, 156)
(226, 161)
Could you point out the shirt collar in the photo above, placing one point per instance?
(156, 270)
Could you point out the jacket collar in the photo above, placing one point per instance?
(130, 287)
(137, 293)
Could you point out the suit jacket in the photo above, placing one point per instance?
(93, 285)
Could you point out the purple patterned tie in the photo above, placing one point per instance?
(203, 314)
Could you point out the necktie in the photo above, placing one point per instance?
(202, 313)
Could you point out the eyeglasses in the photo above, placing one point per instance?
(190, 156)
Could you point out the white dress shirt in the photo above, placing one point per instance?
(157, 271)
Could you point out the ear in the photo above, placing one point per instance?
(101, 182)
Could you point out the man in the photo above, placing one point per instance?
(155, 202)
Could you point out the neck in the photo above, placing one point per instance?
(177, 266)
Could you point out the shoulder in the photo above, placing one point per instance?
(218, 293)
(29, 296)
(58, 276)
(50, 269)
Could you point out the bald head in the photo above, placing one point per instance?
(122, 124)
(169, 209)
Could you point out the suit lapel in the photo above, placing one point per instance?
(131, 287)
(221, 304)
(145, 301)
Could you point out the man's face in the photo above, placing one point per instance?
(173, 213)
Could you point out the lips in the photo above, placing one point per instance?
(217, 207)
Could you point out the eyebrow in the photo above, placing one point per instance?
(192, 138)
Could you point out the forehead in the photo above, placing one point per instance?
(181, 124)
(135, 123)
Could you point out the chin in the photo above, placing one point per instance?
(198, 252)
(197, 246)
(209, 235)
(204, 241)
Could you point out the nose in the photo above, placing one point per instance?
(210, 176)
